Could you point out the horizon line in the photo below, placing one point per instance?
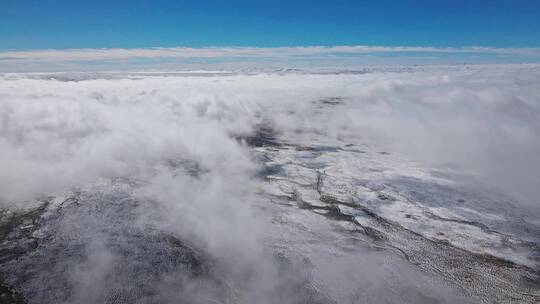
(248, 51)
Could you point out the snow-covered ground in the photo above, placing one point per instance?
(382, 185)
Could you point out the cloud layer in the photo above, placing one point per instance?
(216, 52)
(241, 57)
(56, 133)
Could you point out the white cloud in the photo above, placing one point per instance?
(216, 52)
(79, 59)
(56, 134)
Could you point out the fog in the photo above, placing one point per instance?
(56, 135)
(179, 139)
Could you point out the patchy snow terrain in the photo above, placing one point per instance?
(383, 185)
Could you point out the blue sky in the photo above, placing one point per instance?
(46, 24)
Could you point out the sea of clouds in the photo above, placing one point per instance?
(57, 134)
(60, 134)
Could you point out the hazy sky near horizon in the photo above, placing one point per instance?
(117, 35)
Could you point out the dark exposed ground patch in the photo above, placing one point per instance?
(317, 148)
(270, 169)
(332, 101)
(263, 136)
(16, 239)
(16, 231)
(85, 230)
(9, 296)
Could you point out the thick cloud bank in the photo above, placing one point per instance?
(60, 134)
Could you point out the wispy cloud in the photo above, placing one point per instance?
(216, 52)
(325, 55)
